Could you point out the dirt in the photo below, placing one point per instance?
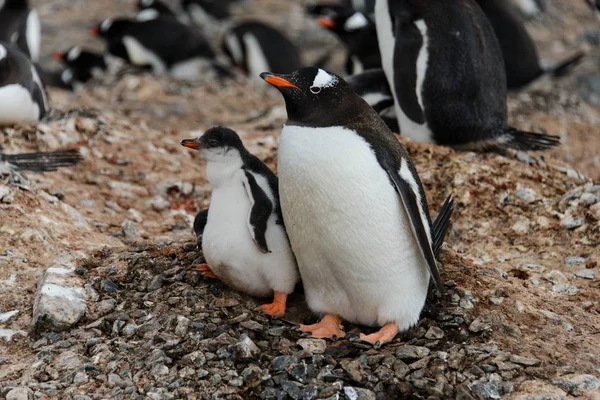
(510, 254)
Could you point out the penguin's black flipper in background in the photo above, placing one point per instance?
(528, 141)
(565, 66)
(42, 161)
(441, 224)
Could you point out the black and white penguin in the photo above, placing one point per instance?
(40, 161)
(164, 44)
(21, 25)
(153, 9)
(255, 47)
(22, 94)
(520, 55)
(445, 67)
(82, 65)
(244, 216)
(373, 87)
(358, 33)
(199, 225)
(354, 207)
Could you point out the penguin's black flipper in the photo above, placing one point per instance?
(441, 224)
(565, 66)
(408, 189)
(261, 208)
(526, 141)
(199, 225)
(42, 161)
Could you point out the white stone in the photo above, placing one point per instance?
(4, 317)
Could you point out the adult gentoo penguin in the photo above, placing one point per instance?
(354, 207)
(520, 54)
(82, 64)
(445, 67)
(255, 47)
(20, 25)
(356, 31)
(164, 44)
(22, 94)
(244, 240)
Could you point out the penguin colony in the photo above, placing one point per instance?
(347, 216)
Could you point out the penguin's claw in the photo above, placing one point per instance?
(385, 335)
(330, 327)
(205, 270)
(277, 307)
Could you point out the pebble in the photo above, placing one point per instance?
(556, 276)
(129, 229)
(129, 330)
(135, 215)
(353, 368)
(245, 348)
(570, 222)
(196, 358)
(108, 286)
(182, 327)
(19, 393)
(4, 191)
(585, 274)
(353, 393)
(434, 333)
(160, 370)
(311, 346)
(158, 203)
(573, 260)
(528, 195)
(578, 384)
(4, 317)
(522, 225)
(481, 323)
(567, 288)
(528, 361)
(410, 352)
(106, 306)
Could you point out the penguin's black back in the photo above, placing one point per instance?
(13, 20)
(521, 59)
(168, 38)
(281, 54)
(464, 90)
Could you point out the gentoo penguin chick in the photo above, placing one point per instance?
(164, 44)
(20, 25)
(373, 87)
(199, 225)
(244, 240)
(152, 9)
(82, 65)
(356, 31)
(354, 207)
(445, 67)
(40, 161)
(520, 55)
(22, 94)
(255, 47)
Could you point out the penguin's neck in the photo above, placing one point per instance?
(221, 170)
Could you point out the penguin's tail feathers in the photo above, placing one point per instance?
(528, 141)
(43, 161)
(441, 224)
(565, 66)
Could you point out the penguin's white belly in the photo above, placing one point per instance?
(353, 241)
(17, 106)
(233, 256)
(387, 46)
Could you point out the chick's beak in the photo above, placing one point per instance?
(94, 31)
(58, 56)
(192, 144)
(277, 80)
(326, 22)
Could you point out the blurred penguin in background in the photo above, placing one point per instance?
(20, 25)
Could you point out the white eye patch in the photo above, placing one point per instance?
(324, 79)
(147, 3)
(355, 22)
(2, 52)
(67, 76)
(106, 24)
(73, 53)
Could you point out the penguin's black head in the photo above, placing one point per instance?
(110, 28)
(217, 144)
(343, 21)
(13, 4)
(312, 95)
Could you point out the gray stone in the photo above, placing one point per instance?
(4, 191)
(578, 384)
(574, 260)
(106, 306)
(156, 283)
(434, 333)
(80, 377)
(60, 301)
(91, 292)
(353, 393)
(311, 347)
(353, 368)
(481, 323)
(129, 330)
(556, 276)
(570, 222)
(245, 348)
(158, 203)
(182, 327)
(19, 393)
(585, 274)
(567, 288)
(196, 358)
(528, 361)
(252, 375)
(528, 195)
(282, 363)
(160, 370)
(129, 229)
(135, 215)
(410, 352)
(4, 317)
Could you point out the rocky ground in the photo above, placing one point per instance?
(519, 319)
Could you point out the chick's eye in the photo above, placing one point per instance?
(213, 143)
(315, 89)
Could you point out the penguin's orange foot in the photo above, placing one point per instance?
(205, 270)
(277, 307)
(383, 336)
(330, 327)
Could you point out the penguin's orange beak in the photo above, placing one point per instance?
(94, 31)
(192, 144)
(277, 81)
(58, 56)
(326, 22)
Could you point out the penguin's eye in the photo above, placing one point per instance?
(213, 143)
(315, 89)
